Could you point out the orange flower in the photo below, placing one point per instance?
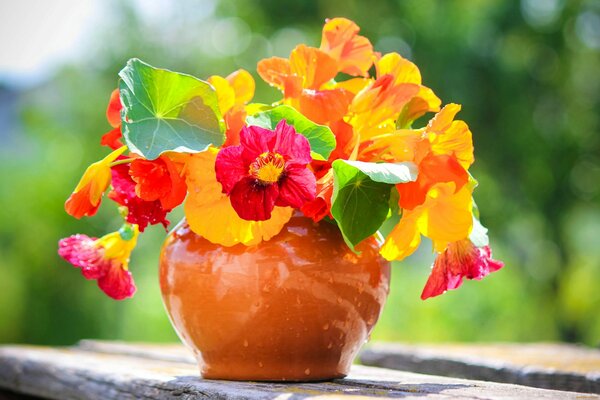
(395, 98)
(444, 217)
(233, 92)
(86, 198)
(159, 179)
(353, 53)
(303, 79)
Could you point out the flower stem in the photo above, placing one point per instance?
(123, 161)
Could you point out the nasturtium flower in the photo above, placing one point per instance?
(303, 80)
(86, 198)
(159, 179)
(139, 212)
(209, 213)
(268, 169)
(352, 52)
(462, 259)
(105, 260)
(445, 217)
(395, 98)
(112, 138)
(320, 207)
(233, 93)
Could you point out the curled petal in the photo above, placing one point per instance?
(112, 139)
(117, 283)
(253, 201)
(320, 207)
(277, 72)
(243, 86)
(158, 179)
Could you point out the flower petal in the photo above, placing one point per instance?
(253, 201)
(313, 65)
(297, 187)
(113, 111)
(255, 141)
(230, 167)
(82, 252)
(294, 147)
(341, 41)
(117, 283)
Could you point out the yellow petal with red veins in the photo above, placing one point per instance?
(400, 68)
(398, 146)
(313, 65)
(353, 53)
(451, 137)
(353, 85)
(209, 212)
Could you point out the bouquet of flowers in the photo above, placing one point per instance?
(340, 146)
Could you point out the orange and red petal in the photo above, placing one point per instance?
(79, 204)
(253, 201)
(341, 41)
(276, 71)
(320, 207)
(112, 139)
(324, 106)
(313, 65)
(113, 111)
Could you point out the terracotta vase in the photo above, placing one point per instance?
(295, 308)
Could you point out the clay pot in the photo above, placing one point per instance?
(295, 308)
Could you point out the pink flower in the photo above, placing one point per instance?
(460, 260)
(105, 260)
(267, 169)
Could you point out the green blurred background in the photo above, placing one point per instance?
(526, 72)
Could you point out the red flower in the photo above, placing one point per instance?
(105, 260)
(460, 260)
(159, 179)
(267, 169)
(139, 211)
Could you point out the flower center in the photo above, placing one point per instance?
(267, 168)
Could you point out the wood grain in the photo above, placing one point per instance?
(132, 372)
(543, 365)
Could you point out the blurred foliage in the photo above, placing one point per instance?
(525, 72)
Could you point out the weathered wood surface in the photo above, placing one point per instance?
(543, 365)
(100, 370)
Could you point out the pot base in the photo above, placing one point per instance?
(295, 308)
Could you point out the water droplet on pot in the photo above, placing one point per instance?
(359, 304)
(331, 279)
(245, 343)
(325, 327)
(330, 345)
(339, 300)
(298, 300)
(307, 371)
(260, 364)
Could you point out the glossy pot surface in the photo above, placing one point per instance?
(295, 308)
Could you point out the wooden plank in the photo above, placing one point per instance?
(72, 373)
(543, 365)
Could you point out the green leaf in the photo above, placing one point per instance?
(167, 111)
(321, 139)
(387, 172)
(360, 205)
